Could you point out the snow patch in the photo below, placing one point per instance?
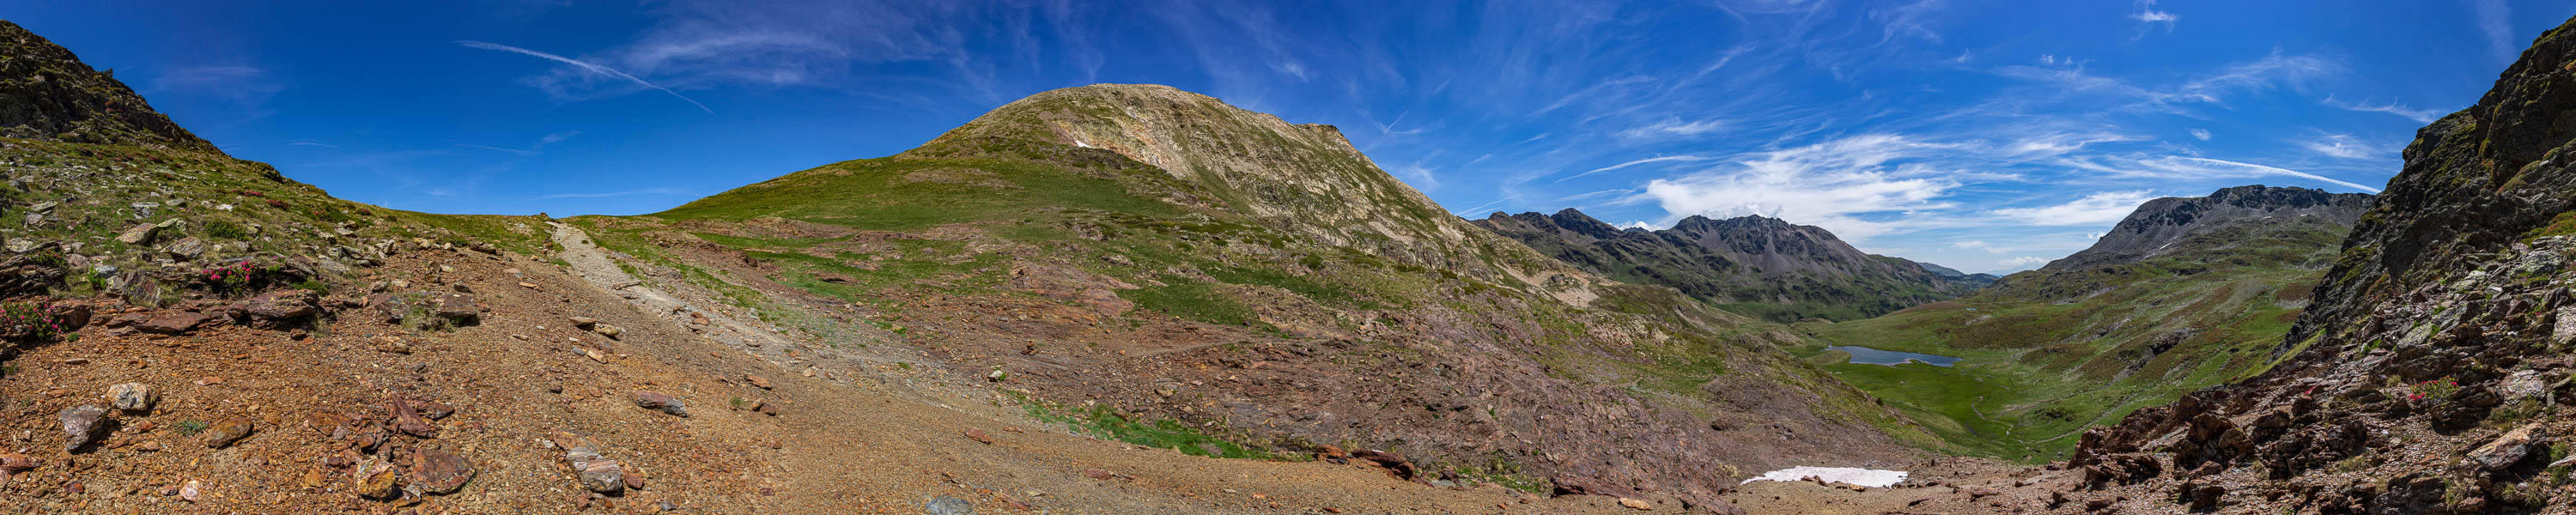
(1078, 142)
(1845, 475)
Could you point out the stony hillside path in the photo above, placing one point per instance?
(594, 265)
(852, 445)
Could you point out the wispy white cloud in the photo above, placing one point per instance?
(559, 137)
(1846, 185)
(2344, 146)
(2491, 16)
(499, 149)
(2102, 208)
(2392, 107)
(2200, 134)
(2017, 263)
(2147, 15)
(1650, 160)
(1672, 127)
(2195, 168)
(629, 193)
(312, 144)
(1979, 245)
(248, 87)
(1464, 213)
(585, 65)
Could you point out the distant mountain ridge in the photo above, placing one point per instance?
(2156, 225)
(1759, 266)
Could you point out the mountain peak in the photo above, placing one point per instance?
(50, 95)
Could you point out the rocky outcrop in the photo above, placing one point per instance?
(2430, 335)
(1761, 266)
(46, 93)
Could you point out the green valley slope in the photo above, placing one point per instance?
(2183, 294)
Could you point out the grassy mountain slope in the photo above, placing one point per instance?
(1159, 255)
(1757, 266)
(2050, 352)
(105, 194)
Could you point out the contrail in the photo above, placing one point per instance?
(602, 70)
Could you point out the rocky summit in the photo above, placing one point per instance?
(1126, 298)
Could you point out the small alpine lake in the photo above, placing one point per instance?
(1868, 356)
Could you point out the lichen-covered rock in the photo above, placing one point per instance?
(82, 425)
(133, 397)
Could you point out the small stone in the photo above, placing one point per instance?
(610, 331)
(189, 492)
(996, 376)
(583, 322)
(435, 410)
(82, 425)
(377, 479)
(138, 234)
(634, 481)
(944, 505)
(1636, 504)
(228, 431)
(133, 397)
(658, 401)
(12, 463)
(758, 381)
(978, 435)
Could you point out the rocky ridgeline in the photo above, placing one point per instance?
(2155, 226)
(2428, 377)
(1783, 271)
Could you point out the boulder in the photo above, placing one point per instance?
(177, 322)
(2506, 450)
(594, 472)
(377, 479)
(439, 472)
(278, 307)
(186, 248)
(133, 397)
(228, 431)
(140, 234)
(82, 425)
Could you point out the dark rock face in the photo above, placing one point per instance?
(47, 94)
(1783, 271)
(2158, 223)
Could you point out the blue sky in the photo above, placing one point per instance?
(1986, 136)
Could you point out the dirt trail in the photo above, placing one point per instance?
(594, 265)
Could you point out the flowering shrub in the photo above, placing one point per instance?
(275, 203)
(24, 322)
(2438, 389)
(243, 276)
